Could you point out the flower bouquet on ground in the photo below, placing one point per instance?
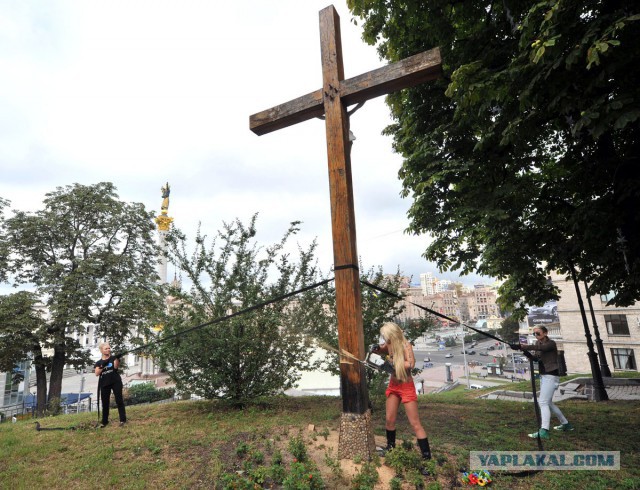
(481, 478)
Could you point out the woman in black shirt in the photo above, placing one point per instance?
(107, 369)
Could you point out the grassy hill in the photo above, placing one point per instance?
(212, 445)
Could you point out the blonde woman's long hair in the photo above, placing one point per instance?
(393, 337)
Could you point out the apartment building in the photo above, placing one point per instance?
(619, 329)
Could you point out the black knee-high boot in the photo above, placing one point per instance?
(424, 448)
(391, 443)
(391, 439)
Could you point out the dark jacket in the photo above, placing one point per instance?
(547, 354)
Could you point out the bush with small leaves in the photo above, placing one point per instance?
(333, 463)
(402, 460)
(233, 481)
(298, 448)
(366, 478)
(242, 449)
(277, 457)
(303, 476)
(395, 483)
(277, 473)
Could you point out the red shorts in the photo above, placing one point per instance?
(406, 391)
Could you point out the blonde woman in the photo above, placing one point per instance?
(401, 388)
(107, 369)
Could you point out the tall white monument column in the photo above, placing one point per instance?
(164, 222)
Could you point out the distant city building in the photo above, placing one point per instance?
(455, 300)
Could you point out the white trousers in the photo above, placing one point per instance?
(548, 386)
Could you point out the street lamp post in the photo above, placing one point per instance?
(464, 355)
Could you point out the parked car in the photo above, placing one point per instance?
(469, 352)
(477, 387)
(484, 353)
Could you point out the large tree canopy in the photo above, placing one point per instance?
(525, 156)
(91, 258)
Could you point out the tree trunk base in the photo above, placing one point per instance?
(356, 436)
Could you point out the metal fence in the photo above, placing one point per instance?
(24, 410)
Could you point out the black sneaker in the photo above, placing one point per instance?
(122, 423)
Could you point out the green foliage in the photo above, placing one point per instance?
(277, 457)
(366, 478)
(403, 460)
(303, 476)
(395, 483)
(23, 335)
(450, 342)
(54, 406)
(509, 330)
(526, 151)
(242, 449)
(333, 464)
(234, 481)
(261, 352)
(298, 448)
(146, 393)
(278, 473)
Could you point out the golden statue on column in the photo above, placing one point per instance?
(164, 221)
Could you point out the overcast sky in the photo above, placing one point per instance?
(141, 93)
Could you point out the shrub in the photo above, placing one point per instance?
(366, 478)
(303, 476)
(146, 393)
(298, 448)
(402, 460)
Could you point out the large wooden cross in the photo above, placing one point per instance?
(331, 101)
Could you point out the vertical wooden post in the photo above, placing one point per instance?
(356, 435)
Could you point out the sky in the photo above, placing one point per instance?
(147, 92)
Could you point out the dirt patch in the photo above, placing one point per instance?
(323, 445)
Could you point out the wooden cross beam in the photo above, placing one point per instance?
(331, 100)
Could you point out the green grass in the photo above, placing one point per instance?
(194, 444)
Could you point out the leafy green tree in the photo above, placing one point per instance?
(23, 335)
(4, 253)
(526, 152)
(258, 353)
(91, 259)
(509, 330)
